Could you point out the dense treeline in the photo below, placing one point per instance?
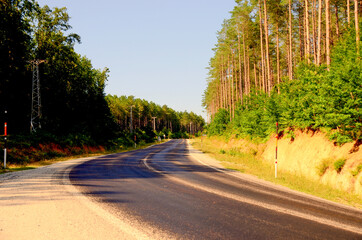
(295, 62)
(153, 119)
(72, 91)
(74, 109)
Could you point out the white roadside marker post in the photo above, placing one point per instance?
(5, 139)
(276, 151)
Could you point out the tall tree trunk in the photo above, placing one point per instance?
(221, 91)
(229, 93)
(278, 60)
(223, 82)
(260, 78)
(261, 48)
(222, 85)
(248, 71)
(307, 43)
(245, 65)
(255, 80)
(337, 20)
(356, 23)
(232, 85)
(348, 14)
(288, 59)
(301, 38)
(235, 78)
(267, 47)
(240, 72)
(319, 32)
(314, 31)
(290, 68)
(328, 51)
(220, 96)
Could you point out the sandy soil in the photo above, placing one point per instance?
(42, 204)
(305, 154)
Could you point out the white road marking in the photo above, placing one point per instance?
(272, 207)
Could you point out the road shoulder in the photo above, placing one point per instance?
(43, 204)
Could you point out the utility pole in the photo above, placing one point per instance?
(154, 123)
(35, 97)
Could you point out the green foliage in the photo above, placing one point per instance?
(316, 99)
(338, 165)
(218, 123)
(76, 115)
(167, 121)
(323, 166)
(357, 170)
(72, 91)
(256, 119)
(15, 51)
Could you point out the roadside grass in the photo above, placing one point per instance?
(252, 164)
(324, 165)
(357, 170)
(33, 165)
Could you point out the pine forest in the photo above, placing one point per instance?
(295, 62)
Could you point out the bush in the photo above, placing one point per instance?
(323, 166)
(218, 123)
(338, 165)
(357, 170)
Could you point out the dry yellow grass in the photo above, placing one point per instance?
(307, 154)
(298, 163)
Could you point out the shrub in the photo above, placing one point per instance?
(357, 170)
(218, 123)
(324, 165)
(234, 152)
(338, 165)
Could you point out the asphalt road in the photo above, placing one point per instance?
(163, 187)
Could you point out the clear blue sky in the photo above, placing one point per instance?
(156, 50)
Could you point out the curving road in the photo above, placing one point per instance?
(170, 191)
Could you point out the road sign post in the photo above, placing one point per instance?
(5, 138)
(276, 151)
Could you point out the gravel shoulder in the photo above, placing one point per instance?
(43, 204)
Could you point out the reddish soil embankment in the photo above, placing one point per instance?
(312, 155)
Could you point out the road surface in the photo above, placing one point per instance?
(169, 191)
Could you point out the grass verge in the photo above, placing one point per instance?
(37, 164)
(252, 164)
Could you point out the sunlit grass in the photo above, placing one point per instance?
(251, 163)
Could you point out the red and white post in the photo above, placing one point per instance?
(276, 151)
(5, 139)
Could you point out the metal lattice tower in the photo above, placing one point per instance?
(35, 97)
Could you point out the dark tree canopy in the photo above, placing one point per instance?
(73, 101)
